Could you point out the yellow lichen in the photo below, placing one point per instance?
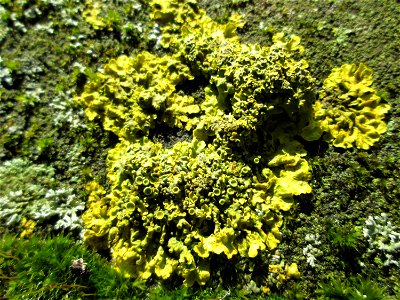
(349, 110)
(170, 209)
(292, 271)
(91, 14)
(28, 226)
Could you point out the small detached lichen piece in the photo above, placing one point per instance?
(349, 110)
(91, 14)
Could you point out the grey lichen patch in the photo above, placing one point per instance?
(30, 191)
(383, 240)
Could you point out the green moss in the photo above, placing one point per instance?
(334, 289)
(41, 269)
(354, 289)
(345, 238)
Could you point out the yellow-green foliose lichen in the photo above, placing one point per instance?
(169, 210)
(349, 110)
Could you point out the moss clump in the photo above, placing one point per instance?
(356, 288)
(41, 269)
(347, 239)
